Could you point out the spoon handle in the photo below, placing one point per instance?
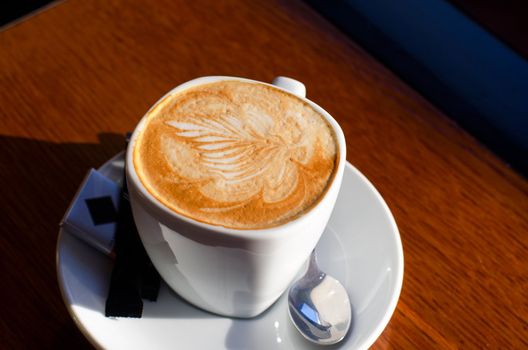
(313, 268)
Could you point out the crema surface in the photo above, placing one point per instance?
(236, 154)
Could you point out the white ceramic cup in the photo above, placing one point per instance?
(230, 272)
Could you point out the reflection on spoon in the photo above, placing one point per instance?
(319, 306)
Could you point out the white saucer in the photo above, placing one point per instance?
(361, 247)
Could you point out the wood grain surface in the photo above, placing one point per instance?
(77, 76)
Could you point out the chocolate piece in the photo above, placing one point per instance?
(123, 300)
(133, 277)
(124, 296)
(150, 282)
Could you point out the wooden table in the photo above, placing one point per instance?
(76, 77)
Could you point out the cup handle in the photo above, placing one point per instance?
(291, 85)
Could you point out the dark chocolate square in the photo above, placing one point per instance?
(102, 210)
(123, 301)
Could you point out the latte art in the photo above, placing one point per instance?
(236, 154)
(241, 157)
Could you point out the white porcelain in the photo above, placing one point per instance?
(230, 272)
(291, 85)
(360, 247)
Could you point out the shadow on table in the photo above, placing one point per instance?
(70, 337)
(37, 181)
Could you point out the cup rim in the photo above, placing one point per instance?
(259, 233)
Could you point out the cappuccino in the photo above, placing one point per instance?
(236, 154)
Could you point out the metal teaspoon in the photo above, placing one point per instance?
(319, 306)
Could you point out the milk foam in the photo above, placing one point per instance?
(236, 154)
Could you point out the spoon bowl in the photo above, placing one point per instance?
(319, 306)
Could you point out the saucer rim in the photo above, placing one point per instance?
(67, 301)
(398, 281)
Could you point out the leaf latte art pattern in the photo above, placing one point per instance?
(243, 157)
(234, 156)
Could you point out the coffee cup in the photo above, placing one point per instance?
(230, 270)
